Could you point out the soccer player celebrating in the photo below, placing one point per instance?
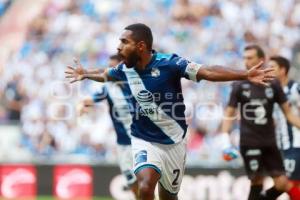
(287, 134)
(152, 80)
(257, 138)
(119, 110)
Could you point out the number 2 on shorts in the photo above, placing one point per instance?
(177, 173)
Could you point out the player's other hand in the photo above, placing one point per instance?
(81, 109)
(260, 75)
(75, 73)
(228, 151)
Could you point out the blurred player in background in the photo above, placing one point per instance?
(288, 135)
(159, 127)
(257, 139)
(119, 111)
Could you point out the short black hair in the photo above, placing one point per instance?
(115, 57)
(282, 62)
(141, 32)
(259, 51)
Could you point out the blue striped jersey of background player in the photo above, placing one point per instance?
(156, 96)
(119, 110)
(288, 136)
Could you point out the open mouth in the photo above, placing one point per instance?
(122, 58)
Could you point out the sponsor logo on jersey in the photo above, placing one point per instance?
(269, 93)
(146, 100)
(246, 86)
(145, 97)
(253, 152)
(134, 82)
(155, 72)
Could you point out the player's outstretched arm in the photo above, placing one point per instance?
(78, 73)
(229, 117)
(291, 118)
(256, 74)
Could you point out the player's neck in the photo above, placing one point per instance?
(284, 81)
(142, 64)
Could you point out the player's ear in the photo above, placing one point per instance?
(141, 45)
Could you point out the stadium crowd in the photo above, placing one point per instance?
(37, 96)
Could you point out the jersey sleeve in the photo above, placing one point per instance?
(234, 95)
(187, 69)
(100, 95)
(115, 72)
(280, 97)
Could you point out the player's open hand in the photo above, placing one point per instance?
(260, 75)
(81, 109)
(76, 73)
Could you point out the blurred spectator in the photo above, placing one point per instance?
(185, 11)
(15, 98)
(3, 114)
(47, 145)
(4, 4)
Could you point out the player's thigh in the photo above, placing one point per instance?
(147, 178)
(253, 164)
(173, 167)
(273, 161)
(147, 161)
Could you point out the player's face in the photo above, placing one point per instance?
(128, 50)
(251, 59)
(280, 72)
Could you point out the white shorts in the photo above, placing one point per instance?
(167, 159)
(125, 162)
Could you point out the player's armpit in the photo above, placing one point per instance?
(291, 118)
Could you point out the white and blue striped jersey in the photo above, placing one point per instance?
(119, 110)
(288, 136)
(156, 97)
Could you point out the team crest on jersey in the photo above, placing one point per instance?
(246, 93)
(140, 157)
(155, 72)
(254, 165)
(269, 93)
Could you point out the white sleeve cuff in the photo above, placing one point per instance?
(192, 70)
